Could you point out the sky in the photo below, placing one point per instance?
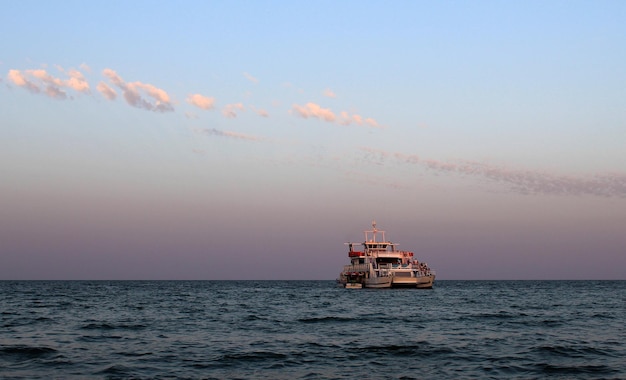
(243, 140)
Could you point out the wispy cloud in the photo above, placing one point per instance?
(201, 101)
(234, 135)
(40, 81)
(133, 91)
(329, 93)
(230, 110)
(76, 81)
(149, 97)
(21, 80)
(522, 181)
(250, 78)
(347, 119)
(312, 110)
(261, 112)
(106, 91)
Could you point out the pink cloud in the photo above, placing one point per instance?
(201, 101)
(261, 112)
(230, 110)
(40, 81)
(357, 119)
(372, 123)
(113, 77)
(134, 93)
(347, 119)
(250, 78)
(55, 92)
(19, 79)
(160, 95)
(329, 93)
(106, 91)
(77, 81)
(314, 110)
(52, 86)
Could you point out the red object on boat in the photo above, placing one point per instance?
(355, 254)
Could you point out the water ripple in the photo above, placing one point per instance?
(311, 330)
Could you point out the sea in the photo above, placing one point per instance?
(312, 330)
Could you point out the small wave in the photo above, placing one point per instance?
(98, 326)
(253, 317)
(27, 352)
(253, 356)
(327, 319)
(107, 326)
(497, 316)
(99, 338)
(603, 316)
(575, 370)
(16, 322)
(571, 352)
(423, 349)
(133, 354)
(117, 370)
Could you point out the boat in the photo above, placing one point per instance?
(380, 261)
(366, 275)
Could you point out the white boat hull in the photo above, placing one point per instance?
(409, 279)
(425, 282)
(379, 282)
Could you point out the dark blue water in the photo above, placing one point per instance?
(312, 330)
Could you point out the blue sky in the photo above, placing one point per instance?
(161, 140)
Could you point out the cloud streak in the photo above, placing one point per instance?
(347, 119)
(519, 180)
(310, 110)
(261, 112)
(329, 93)
(250, 78)
(135, 93)
(313, 110)
(39, 81)
(149, 97)
(230, 110)
(106, 91)
(234, 135)
(201, 101)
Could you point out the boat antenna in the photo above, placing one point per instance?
(374, 230)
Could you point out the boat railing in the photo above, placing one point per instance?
(356, 268)
(423, 273)
(421, 270)
(396, 266)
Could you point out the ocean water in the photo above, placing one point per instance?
(312, 330)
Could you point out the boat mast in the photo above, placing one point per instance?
(374, 231)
